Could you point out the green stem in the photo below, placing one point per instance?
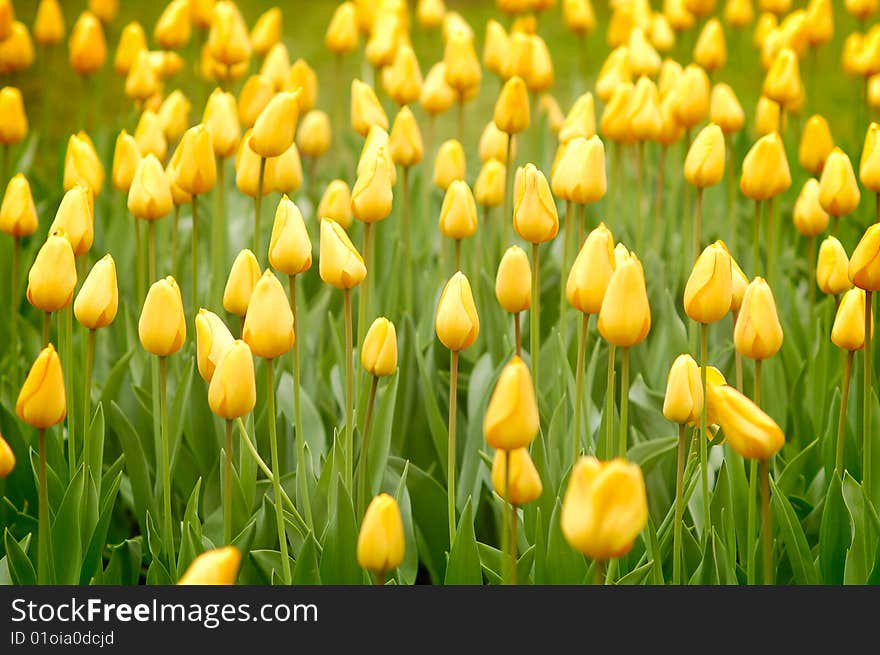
(302, 481)
(67, 358)
(407, 240)
(47, 328)
(506, 217)
(841, 421)
(766, 535)
(566, 246)
(366, 286)
(14, 304)
(195, 253)
(517, 333)
(139, 257)
(751, 531)
(175, 222)
(364, 464)
(451, 453)
(640, 173)
(579, 386)
(513, 536)
(867, 400)
(457, 255)
(534, 332)
(771, 243)
(43, 561)
(505, 523)
(87, 399)
(349, 391)
(257, 208)
(756, 241)
(730, 172)
(227, 487)
(624, 402)
(679, 507)
(698, 223)
(658, 197)
(609, 403)
(166, 467)
(151, 247)
(461, 118)
(276, 466)
(704, 455)
(218, 234)
(811, 276)
(599, 572)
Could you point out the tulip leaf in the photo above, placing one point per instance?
(21, 571)
(464, 558)
(637, 576)
(436, 422)
(563, 564)
(834, 534)
(92, 559)
(96, 436)
(113, 381)
(647, 453)
(793, 537)
(124, 566)
(860, 556)
(339, 560)
(66, 531)
(306, 571)
(135, 465)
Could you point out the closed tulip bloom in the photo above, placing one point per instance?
(381, 543)
(758, 333)
(765, 172)
(678, 15)
(534, 214)
(243, 278)
(496, 47)
(267, 31)
(710, 52)
(580, 120)
(832, 267)
(614, 123)
(336, 203)
(869, 166)
(704, 164)
(268, 325)
(88, 49)
(739, 284)
(462, 65)
(275, 128)
(512, 108)
(693, 96)
(403, 78)
(220, 119)
(340, 263)
(816, 144)
(671, 131)
(747, 428)
(430, 13)
(372, 197)
(645, 120)
(738, 13)
(7, 458)
(341, 36)
(314, 134)
(17, 51)
(255, 95)
(379, 350)
(290, 250)
(511, 420)
(767, 116)
(642, 57)
(162, 326)
(18, 215)
(522, 484)
(670, 71)
(838, 189)
(578, 16)
(98, 299)
(213, 567)
(725, 110)
(149, 196)
(383, 40)
(591, 271)
(861, 9)
(276, 68)
(150, 137)
(212, 340)
(105, 10)
(13, 121)
(194, 161)
(457, 323)
(615, 71)
(864, 265)
(853, 63)
(809, 217)
(174, 115)
(783, 82)
(605, 507)
(377, 139)
(75, 216)
(848, 331)
(489, 187)
(580, 174)
(541, 75)
(405, 141)
(131, 42)
(82, 165)
(625, 315)
(493, 144)
(437, 96)
(41, 402)
(819, 22)
(449, 164)
(201, 12)
(173, 28)
(303, 80)
(232, 391)
(366, 110)
(458, 214)
(661, 33)
(49, 23)
(513, 282)
(52, 277)
(684, 391)
(228, 39)
(709, 288)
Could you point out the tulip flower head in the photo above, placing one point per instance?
(275, 128)
(534, 212)
(149, 197)
(783, 81)
(336, 203)
(381, 543)
(725, 109)
(42, 402)
(709, 289)
(513, 282)
(693, 94)
(212, 340)
(342, 32)
(449, 164)
(194, 161)
(365, 109)
(228, 39)
(314, 135)
(457, 323)
(710, 51)
(832, 267)
(511, 420)
(221, 121)
(489, 187)
(7, 458)
(864, 265)
(18, 215)
(213, 567)
(405, 140)
(591, 271)
(758, 333)
(340, 264)
(82, 166)
(98, 299)
(267, 30)
(52, 277)
(162, 325)
(268, 325)
(232, 391)
(49, 23)
(747, 428)
(869, 166)
(372, 196)
(243, 277)
(379, 350)
(816, 144)
(458, 214)
(88, 48)
(838, 190)
(848, 331)
(704, 164)
(253, 98)
(512, 108)
(625, 314)
(765, 172)
(683, 402)
(809, 217)
(13, 121)
(403, 78)
(437, 96)
(290, 250)
(522, 484)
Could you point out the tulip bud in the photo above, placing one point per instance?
(458, 214)
(767, 116)
(747, 428)
(580, 120)
(693, 95)
(489, 187)
(290, 250)
(739, 284)
(13, 121)
(228, 39)
(303, 81)
(816, 144)
(625, 314)
(105, 10)
(255, 95)
(708, 292)
(605, 507)
(88, 49)
(710, 52)
(496, 48)
(725, 110)
(848, 331)
(838, 189)
(365, 109)
(275, 128)
(243, 278)
(642, 58)
(738, 13)
(670, 72)
(18, 215)
(42, 402)
(150, 137)
(683, 402)
(861, 9)
(578, 16)
(403, 79)
(76, 218)
(52, 277)
(98, 299)
(869, 167)
(534, 211)
(671, 132)
(379, 350)
(17, 51)
(548, 106)
(372, 197)
(247, 170)
(194, 161)
(149, 197)
(232, 392)
(449, 164)
(381, 543)
(383, 40)
(809, 217)
(212, 340)
(614, 123)
(614, 72)
(832, 267)
(49, 24)
(377, 139)
(405, 141)
(340, 264)
(162, 326)
(783, 81)
(511, 420)
(336, 203)
(82, 166)
(283, 173)
(437, 96)
(342, 32)
(580, 174)
(522, 484)
(174, 115)
(493, 144)
(7, 459)
(131, 42)
(512, 108)
(267, 31)
(758, 334)
(430, 13)
(268, 325)
(457, 323)
(704, 164)
(214, 567)
(645, 120)
(276, 69)
(314, 134)
(513, 282)
(864, 265)
(765, 171)
(462, 65)
(591, 271)
(220, 119)
(173, 27)
(540, 72)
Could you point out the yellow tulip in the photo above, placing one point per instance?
(381, 543)
(522, 484)
(710, 51)
(52, 277)
(194, 162)
(534, 211)
(832, 267)
(819, 22)
(462, 66)
(17, 51)
(340, 263)
(671, 131)
(838, 189)
(314, 134)
(13, 121)
(869, 166)
(7, 459)
(105, 10)
(162, 325)
(42, 402)
(662, 35)
(174, 115)
(614, 71)
(383, 40)
(365, 109)
(131, 42)
(493, 144)
(18, 215)
(578, 16)
(336, 203)
(449, 164)
(645, 119)
(693, 96)
(816, 144)
(379, 350)
(201, 12)
(243, 278)
(591, 271)
(267, 30)
(228, 39)
(614, 123)
(458, 214)
(82, 166)
(290, 250)
(213, 567)
(405, 141)
(275, 128)
(76, 218)
(848, 331)
(758, 333)
(303, 80)
(341, 36)
(642, 57)
(150, 136)
(212, 341)
(747, 428)
(704, 164)
(247, 170)
(232, 392)
(276, 68)
(511, 420)
(437, 96)
(540, 74)
(809, 217)
(268, 326)
(457, 323)
(725, 110)
(403, 78)
(767, 116)
(739, 13)
(512, 108)
(496, 48)
(173, 28)
(283, 174)
(683, 402)
(605, 507)
(709, 288)
(765, 172)
(430, 13)
(739, 284)
(580, 120)
(864, 265)
(372, 196)
(489, 187)
(625, 314)
(49, 23)
(513, 281)
(220, 119)
(253, 98)
(861, 9)
(88, 49)
(98, 299)
(149, 196)
(580, 174)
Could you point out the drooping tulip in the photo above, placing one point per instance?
(747, 428)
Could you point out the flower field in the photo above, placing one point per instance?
(388, 292)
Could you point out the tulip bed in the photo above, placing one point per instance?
(357, 397)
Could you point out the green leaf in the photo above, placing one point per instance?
(860, 556)
(834, 534)
(92, 558)
(464, 558)
(306, 571)
(647, 453)
(66, 542)
(124, 567)
(339, 560)
(135, 465)
(793, 537)
(20, 568)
